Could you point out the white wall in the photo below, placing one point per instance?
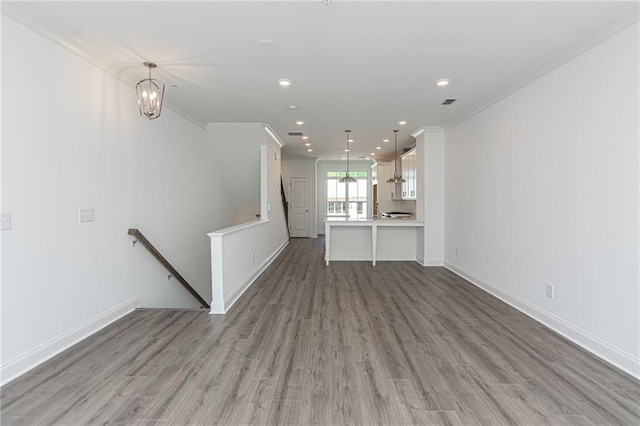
(321, 187)
(302, 168)
(542, 187)
(72, 137)
(430, 202)
(237, 149)
(241, 253)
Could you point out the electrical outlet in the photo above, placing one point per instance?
(457, 252)
(550, 291)
(86, 215)
(5, 221)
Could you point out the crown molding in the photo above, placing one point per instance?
(613, 26)
(24, 14)
(426, 129)
(267, 128)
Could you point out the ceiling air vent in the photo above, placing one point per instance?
(449, 101)
(295, 133)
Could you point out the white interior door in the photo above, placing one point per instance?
(299, 217)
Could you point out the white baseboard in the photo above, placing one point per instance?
(609, 353)
(217, 307)
(18, 366)
(223, 308)
(430, 262)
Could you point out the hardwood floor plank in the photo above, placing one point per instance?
(344, 344)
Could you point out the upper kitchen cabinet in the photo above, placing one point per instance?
(410, 186)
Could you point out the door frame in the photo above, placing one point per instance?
(307, 203)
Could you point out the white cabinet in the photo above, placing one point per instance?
(386, 191)
(409, 187)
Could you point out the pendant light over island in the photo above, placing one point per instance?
(396, 178)
(347, 178)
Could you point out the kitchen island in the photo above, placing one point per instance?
(371, 239)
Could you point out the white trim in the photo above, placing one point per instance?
(624, 19)
(307, 203)
(609, 353)
(36, 356)
(236, 228)
(417, 132)
(273, 134)
(217, 308)
(431, 262)
(223, 307)
(427, 129)
(264, 180)
(27, 16)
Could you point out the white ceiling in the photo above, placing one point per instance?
(356, 65)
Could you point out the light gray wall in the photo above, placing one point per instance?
(72, 138)
(542, 187)
(237, 152)
(240, 253)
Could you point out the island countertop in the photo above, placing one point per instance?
(371, 239)
(342, 220)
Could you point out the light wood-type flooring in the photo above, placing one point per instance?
(344, 344)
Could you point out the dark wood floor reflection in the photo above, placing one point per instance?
(345, 344)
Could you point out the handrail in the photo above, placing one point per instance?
(139, 237)
(285, 206)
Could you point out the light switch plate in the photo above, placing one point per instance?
(5, 221)
(86, 215)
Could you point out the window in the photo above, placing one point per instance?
(347, 199)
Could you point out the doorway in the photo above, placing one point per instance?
(299, 224)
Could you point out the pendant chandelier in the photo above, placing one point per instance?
(396, 178)
(150, 93)
(347, 178)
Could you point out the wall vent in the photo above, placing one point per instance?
(449, 101)
(295, 133)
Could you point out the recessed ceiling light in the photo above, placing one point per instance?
(343, 158)
(310, 150)
(372, 154)
(378, 147)
(443, 82)
(307, 144)
(305, 137)
(402, 123)
(385, 140)
(292, 107)
(284, 82)
(299, 123)
(346, 150)
(350, 140)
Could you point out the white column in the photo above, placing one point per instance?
(327, 242)
(374, 242)
(430, 194)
